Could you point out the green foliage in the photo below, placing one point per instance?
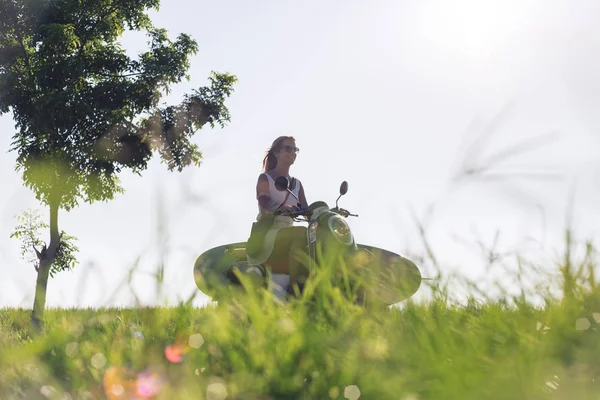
(177, 124)
(85, 110)
(28, 232)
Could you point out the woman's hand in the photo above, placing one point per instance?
(286, 209)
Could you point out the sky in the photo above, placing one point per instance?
(398, 98)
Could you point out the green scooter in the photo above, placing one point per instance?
(383, 277)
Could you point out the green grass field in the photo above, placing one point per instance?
(322, 347)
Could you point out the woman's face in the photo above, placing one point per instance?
(287, 153)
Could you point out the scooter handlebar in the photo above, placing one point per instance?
(344, 213)
(297, 212)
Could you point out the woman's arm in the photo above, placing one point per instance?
(262, 195)
(302, 197)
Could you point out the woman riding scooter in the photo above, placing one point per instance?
(283, 244)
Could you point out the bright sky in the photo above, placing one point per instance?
(388, 95)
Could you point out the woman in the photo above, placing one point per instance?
(284, 243)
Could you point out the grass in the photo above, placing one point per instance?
(320, 347)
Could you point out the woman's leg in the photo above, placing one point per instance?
(289, 244)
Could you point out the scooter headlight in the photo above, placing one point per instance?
(340, 229)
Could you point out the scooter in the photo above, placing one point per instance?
(382, 276)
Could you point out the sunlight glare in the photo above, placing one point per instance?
(471, 28)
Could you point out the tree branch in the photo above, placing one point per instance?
(40, 255)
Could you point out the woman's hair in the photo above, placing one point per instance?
(270, 161)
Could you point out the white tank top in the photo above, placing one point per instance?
(277, 197)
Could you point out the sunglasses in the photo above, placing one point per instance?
(290, 149)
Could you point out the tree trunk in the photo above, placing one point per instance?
(47, 257)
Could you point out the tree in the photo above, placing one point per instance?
(28, 233)
(85, 111)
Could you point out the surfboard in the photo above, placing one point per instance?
(392, 277)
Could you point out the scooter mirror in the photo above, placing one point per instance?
(281, 183)
(343, 188)
(343, 191)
